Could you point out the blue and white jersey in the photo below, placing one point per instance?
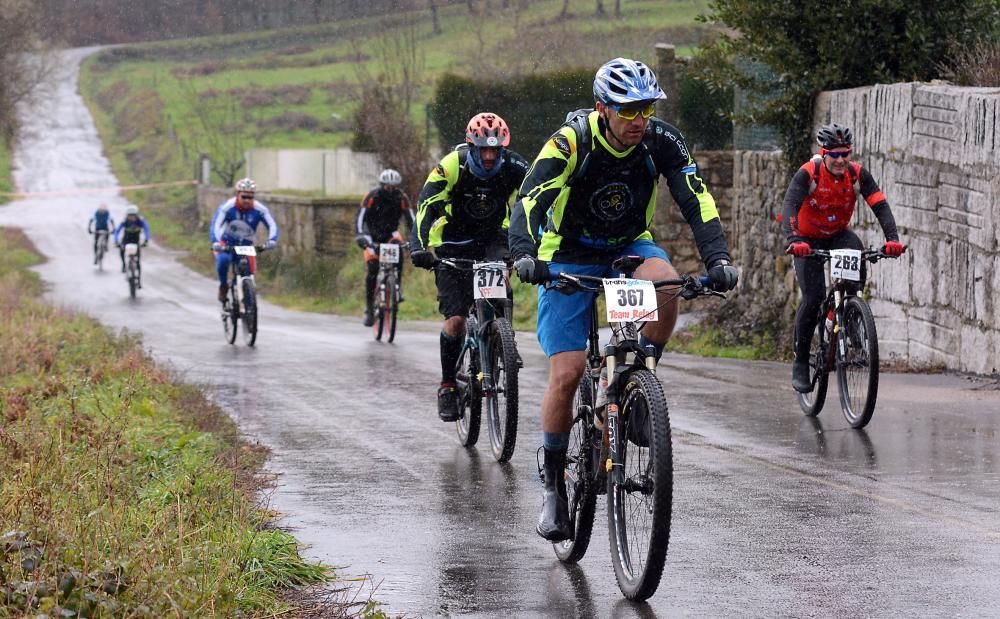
(235, 227)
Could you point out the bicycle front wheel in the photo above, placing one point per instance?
(501, 400)
(378, 327)
(391, 308)
(133, 278)
(470, 400)
(812, 402)
(857, 363)
(639, 508)
(249, 312)
(581, 462)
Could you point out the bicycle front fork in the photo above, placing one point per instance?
(613, 466)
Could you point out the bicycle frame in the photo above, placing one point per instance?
(625, 340)
(837, 291)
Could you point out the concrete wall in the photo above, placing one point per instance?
(337, 172)
(935, 152)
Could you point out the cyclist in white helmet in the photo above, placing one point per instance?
(131, 231)
(378, 222)
(235, 223)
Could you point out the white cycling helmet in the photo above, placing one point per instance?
(246, 184)
(131, 210)
(390, 177)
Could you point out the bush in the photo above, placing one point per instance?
(533, 106)
(853, 43)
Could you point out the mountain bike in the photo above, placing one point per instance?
(133, 268)
(624, 452)
(845, 339)
(385, 305)
(100, 248)
(489, 362)
(241, 306)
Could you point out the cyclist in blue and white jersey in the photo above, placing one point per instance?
(235, 223)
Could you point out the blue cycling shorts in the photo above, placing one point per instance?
(564, 319)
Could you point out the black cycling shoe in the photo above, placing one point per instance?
(553, 523)
(801, 381)
(448, 403)
(223, 293)
(368, 320)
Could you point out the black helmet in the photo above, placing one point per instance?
(834, 136)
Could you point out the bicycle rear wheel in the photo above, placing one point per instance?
(812, 402)
(470, 401)
(857, 363)
(639, 509)
(501, 402)
(249, 312)
(581, 462)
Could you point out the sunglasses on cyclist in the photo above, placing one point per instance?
(630, 113)
(246, 196)
(837, 154)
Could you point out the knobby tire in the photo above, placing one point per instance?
(501, 405)
(857, 366)
(639, 511)
(581, 464)
(812, 402)
(249, 312)
(470, 401)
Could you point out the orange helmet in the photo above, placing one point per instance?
(487, 130)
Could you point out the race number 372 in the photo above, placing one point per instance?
(632, 300)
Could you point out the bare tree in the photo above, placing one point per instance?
(600, 8)
(226, 131)
(434, 16)
(618, 8)
(25, 65)
(565, 10)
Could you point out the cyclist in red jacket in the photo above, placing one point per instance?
(817, 209)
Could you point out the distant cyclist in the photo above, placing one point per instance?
(818, 207)
(378, 222)
(464, 210)
(101, 221)
(131, 231)
(235, 223)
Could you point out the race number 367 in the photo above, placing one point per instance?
(630, 300)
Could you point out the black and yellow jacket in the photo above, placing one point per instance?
(583, 204)
(457, 208)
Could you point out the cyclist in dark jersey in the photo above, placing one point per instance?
(131, 231)
(464, 212)
(377, 222)
(818, 207)
(589, 197)
(101, 221)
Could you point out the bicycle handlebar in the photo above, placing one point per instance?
(871, 255)
(691, 286)
(466, 264)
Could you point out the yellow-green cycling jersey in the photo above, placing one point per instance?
(582, 200)
(456, 208)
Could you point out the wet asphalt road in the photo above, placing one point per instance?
(775, 514)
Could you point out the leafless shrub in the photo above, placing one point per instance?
(290, 121)
(292, 94)
(258, 98)
(25, 65)
(978, 65)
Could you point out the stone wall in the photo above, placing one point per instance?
(935, 152)
(673, 232)
(307, 225)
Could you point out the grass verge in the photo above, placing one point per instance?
(125, 493)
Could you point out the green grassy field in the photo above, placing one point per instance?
(126, 493)
(300, 88)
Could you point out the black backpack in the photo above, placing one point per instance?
(578, 120)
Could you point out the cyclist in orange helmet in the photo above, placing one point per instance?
(463, 212)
